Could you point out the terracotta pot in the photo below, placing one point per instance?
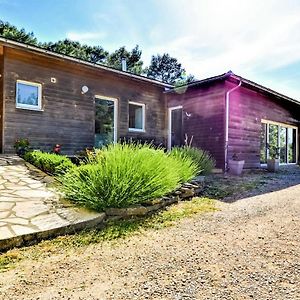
(273, 164)
(236, 166)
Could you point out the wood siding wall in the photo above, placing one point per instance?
(1, 95)
(247, 108)
(67, 116)
(203, 117)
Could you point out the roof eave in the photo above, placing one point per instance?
(265, 89)
(8, 42)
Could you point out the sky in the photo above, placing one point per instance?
(259, 40)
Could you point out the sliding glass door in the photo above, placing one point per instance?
(278, 140)
(105, 121)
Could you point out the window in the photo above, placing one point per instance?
(136, 116)
(278, 140)
(28, 95)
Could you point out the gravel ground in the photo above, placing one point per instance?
(248, 250)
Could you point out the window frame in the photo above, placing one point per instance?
(284, 125)
(116, 109)
(27, 106)
(143, 117)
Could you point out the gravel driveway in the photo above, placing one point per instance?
(248, 250)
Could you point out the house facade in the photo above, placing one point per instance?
(230, 116)
(51, 99)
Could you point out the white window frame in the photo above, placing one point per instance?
(279, 124)
(115, 101)
(27, 106)
(170, 124)
(143, 106)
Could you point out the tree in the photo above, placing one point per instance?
(133, 59)
(167, 69)
(95, 54)
(12, 32)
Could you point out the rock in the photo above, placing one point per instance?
(153, 202)
(187, 193)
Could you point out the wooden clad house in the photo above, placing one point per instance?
(231, 116)
(51, 99)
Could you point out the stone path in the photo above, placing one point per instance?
(28, 207)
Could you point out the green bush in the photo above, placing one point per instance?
(49, 162)
(204, 161)
(124, 174)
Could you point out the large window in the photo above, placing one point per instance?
(136, 116)
(28, 95)
(278, 140)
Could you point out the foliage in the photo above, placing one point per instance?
(133, 59)
(124, 174)
(162, 67)
(167, 69)
(21, 144)
(12, 32)
(49, 162)
(204, 161)
(93, 54)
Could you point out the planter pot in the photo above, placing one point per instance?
(273, 164)
(236, 166)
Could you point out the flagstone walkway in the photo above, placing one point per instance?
(30, 210)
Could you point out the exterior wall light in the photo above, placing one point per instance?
(84, 89)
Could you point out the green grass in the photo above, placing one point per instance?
(114, 231)
(203, 160)
(121, 175)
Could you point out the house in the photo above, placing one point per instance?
(51, 98)
(229, 115)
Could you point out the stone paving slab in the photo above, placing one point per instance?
(30, 210)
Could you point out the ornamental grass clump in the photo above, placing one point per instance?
(121, 175)
(204, 161)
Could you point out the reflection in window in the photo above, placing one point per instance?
(263, 144)
(28, 95)
(278, 141)
(292, 145)
(283, 146)
(136, 116)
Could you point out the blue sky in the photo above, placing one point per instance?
(259, 40)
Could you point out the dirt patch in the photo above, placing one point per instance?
(248, 250)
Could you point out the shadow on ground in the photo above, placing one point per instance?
(228, 188)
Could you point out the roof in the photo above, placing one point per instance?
(15, 44)
(230, 75)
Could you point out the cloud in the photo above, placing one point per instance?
(212, 37)
(86, 37)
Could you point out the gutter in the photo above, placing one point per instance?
(227, 103)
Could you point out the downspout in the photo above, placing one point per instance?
(227, 100)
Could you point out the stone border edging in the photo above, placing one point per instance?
(33, 238)
(183, 193)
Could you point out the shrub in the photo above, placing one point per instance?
(124, 174)
(49, 162)
(204, 161)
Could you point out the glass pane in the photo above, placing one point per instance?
(263, 144)
(135, 116)
(291, 145)
(104, 122)
(176, 128)
(27, 94)
(282, 150)
(273, 141)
